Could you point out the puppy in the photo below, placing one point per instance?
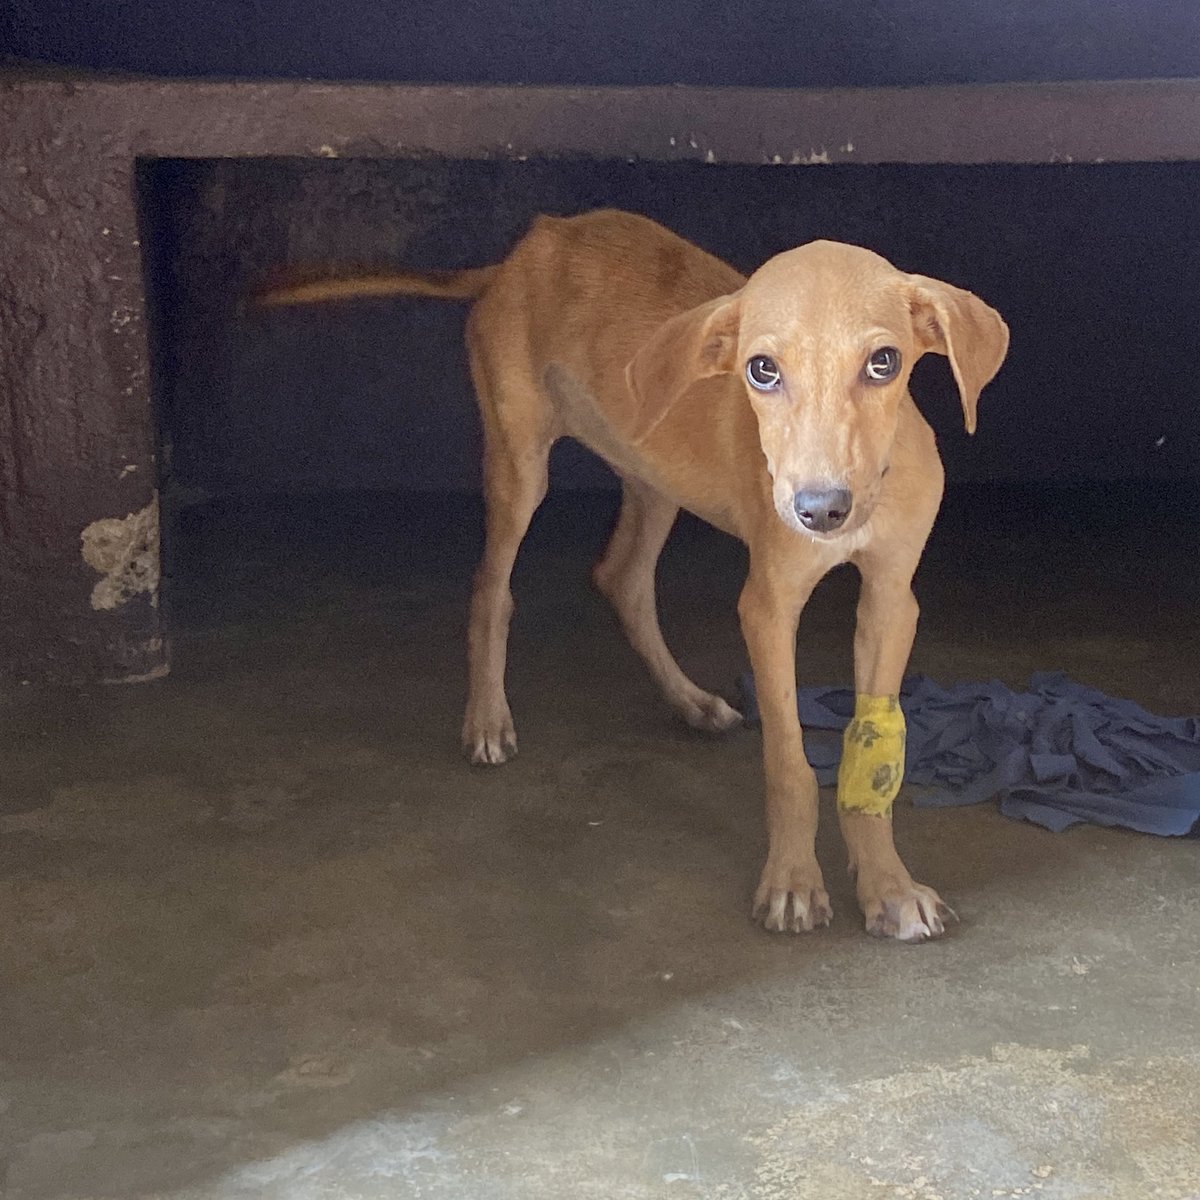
(774, 407)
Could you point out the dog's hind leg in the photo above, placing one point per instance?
(518, 434)
(626, 576)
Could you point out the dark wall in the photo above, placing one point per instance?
(1094, 267)
(770, 43)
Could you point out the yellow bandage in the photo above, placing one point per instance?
(872, 756)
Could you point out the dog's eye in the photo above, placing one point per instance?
(883, 365)
(763, 373)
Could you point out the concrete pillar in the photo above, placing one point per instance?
(79, 562)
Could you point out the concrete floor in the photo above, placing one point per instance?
(264, 935)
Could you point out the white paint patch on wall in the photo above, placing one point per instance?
(124, 550)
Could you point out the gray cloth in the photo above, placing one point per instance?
(1058, 754)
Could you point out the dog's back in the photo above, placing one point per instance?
(609, 273)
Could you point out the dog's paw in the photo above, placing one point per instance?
(710, 714)
(489, 742)
(795, 903)
(901, 909)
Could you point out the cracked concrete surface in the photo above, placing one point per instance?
(264, 935)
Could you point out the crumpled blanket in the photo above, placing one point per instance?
(1058, 754)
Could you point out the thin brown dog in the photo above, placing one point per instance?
(774, 407)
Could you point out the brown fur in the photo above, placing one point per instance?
(610, 329)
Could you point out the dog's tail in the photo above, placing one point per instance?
(310, 288)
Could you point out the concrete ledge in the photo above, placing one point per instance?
(1124, 121)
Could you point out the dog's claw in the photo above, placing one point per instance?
(712, 715)
(489, 754)
(791, 910)
(490, 747)
(912, 913)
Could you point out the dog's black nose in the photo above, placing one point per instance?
(822, 509)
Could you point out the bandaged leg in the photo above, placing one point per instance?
(872, 767)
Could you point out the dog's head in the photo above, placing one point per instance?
(822, 339)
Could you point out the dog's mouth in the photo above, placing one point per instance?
(852, 525)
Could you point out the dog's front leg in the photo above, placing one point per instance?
(791, 895)
(873, 763)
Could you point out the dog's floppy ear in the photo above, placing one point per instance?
(694, 345)
(950, 321)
